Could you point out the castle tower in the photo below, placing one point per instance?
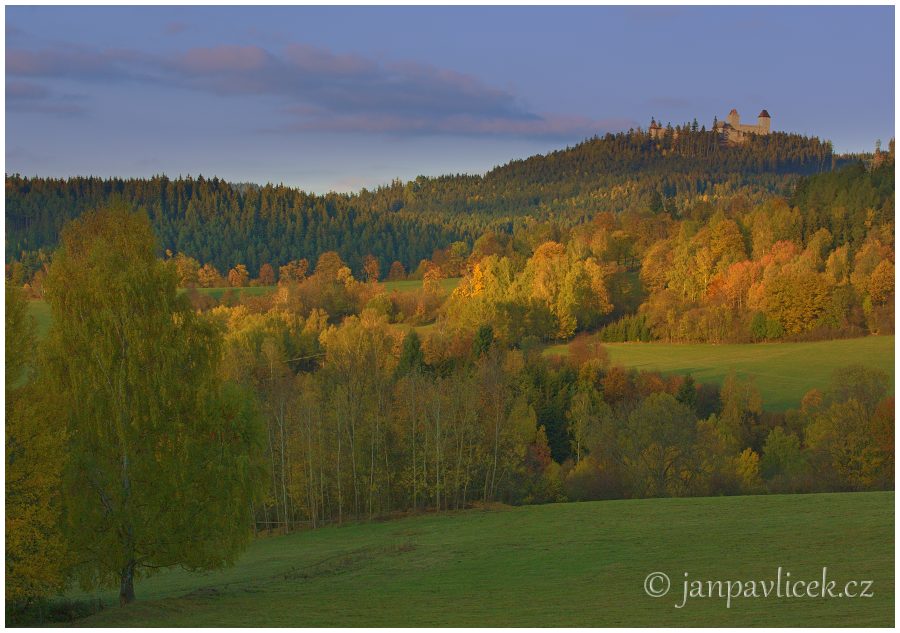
(734, 119)
(764, 122)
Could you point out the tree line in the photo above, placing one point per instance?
(226, 224)
(817, 265)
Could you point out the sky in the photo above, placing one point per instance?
(340, 98)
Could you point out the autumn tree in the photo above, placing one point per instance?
(371, 268)
(162, 466)
(328, 265)
(397, 272)
(797, 300)
(881, 283)
(238, 276)
(477, 298)
(266, 275)
(431, 279)
(188, 270)
(293, 271)
(209, 277)
(656, 265)
(357, 369)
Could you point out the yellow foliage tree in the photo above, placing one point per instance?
(209, 277)
(881, 284)
(266, 275)
(293, 271)
(238, 276)
(188, 270)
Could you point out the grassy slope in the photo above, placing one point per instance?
(414, 284)
(40, 310)
(250, 291)
(576, 564)
(782, 371)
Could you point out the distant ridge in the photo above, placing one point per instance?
(225, 223)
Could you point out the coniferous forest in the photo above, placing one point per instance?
(224, 225)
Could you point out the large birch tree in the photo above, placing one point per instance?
(162, 461)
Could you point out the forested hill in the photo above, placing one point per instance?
(225, 224)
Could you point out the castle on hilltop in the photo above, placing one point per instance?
(731, 129)
(735, 132)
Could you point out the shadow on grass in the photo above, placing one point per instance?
(50, 611)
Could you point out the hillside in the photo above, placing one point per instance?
(783, 372)
(576, 564)
(225, 224)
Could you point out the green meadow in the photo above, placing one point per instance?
(40, 310)
(414, 284)
(573, 564)
(783, 372)
(249, 291)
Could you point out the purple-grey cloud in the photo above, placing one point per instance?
(76, 62)
(22, 96)
(25, 90)
(320, 89)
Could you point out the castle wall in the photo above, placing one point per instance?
(736, 131)
(752, 129)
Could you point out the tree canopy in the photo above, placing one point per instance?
(160, 467)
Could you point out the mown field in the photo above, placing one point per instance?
(783, 372)
(249, 291)
(414, 284)
(574, 564)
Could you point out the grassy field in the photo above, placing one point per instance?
(782, 371)
(249, 291)
(575, 564)
(414, 284)
(40, 310)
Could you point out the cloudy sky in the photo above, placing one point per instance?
(339, 98)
